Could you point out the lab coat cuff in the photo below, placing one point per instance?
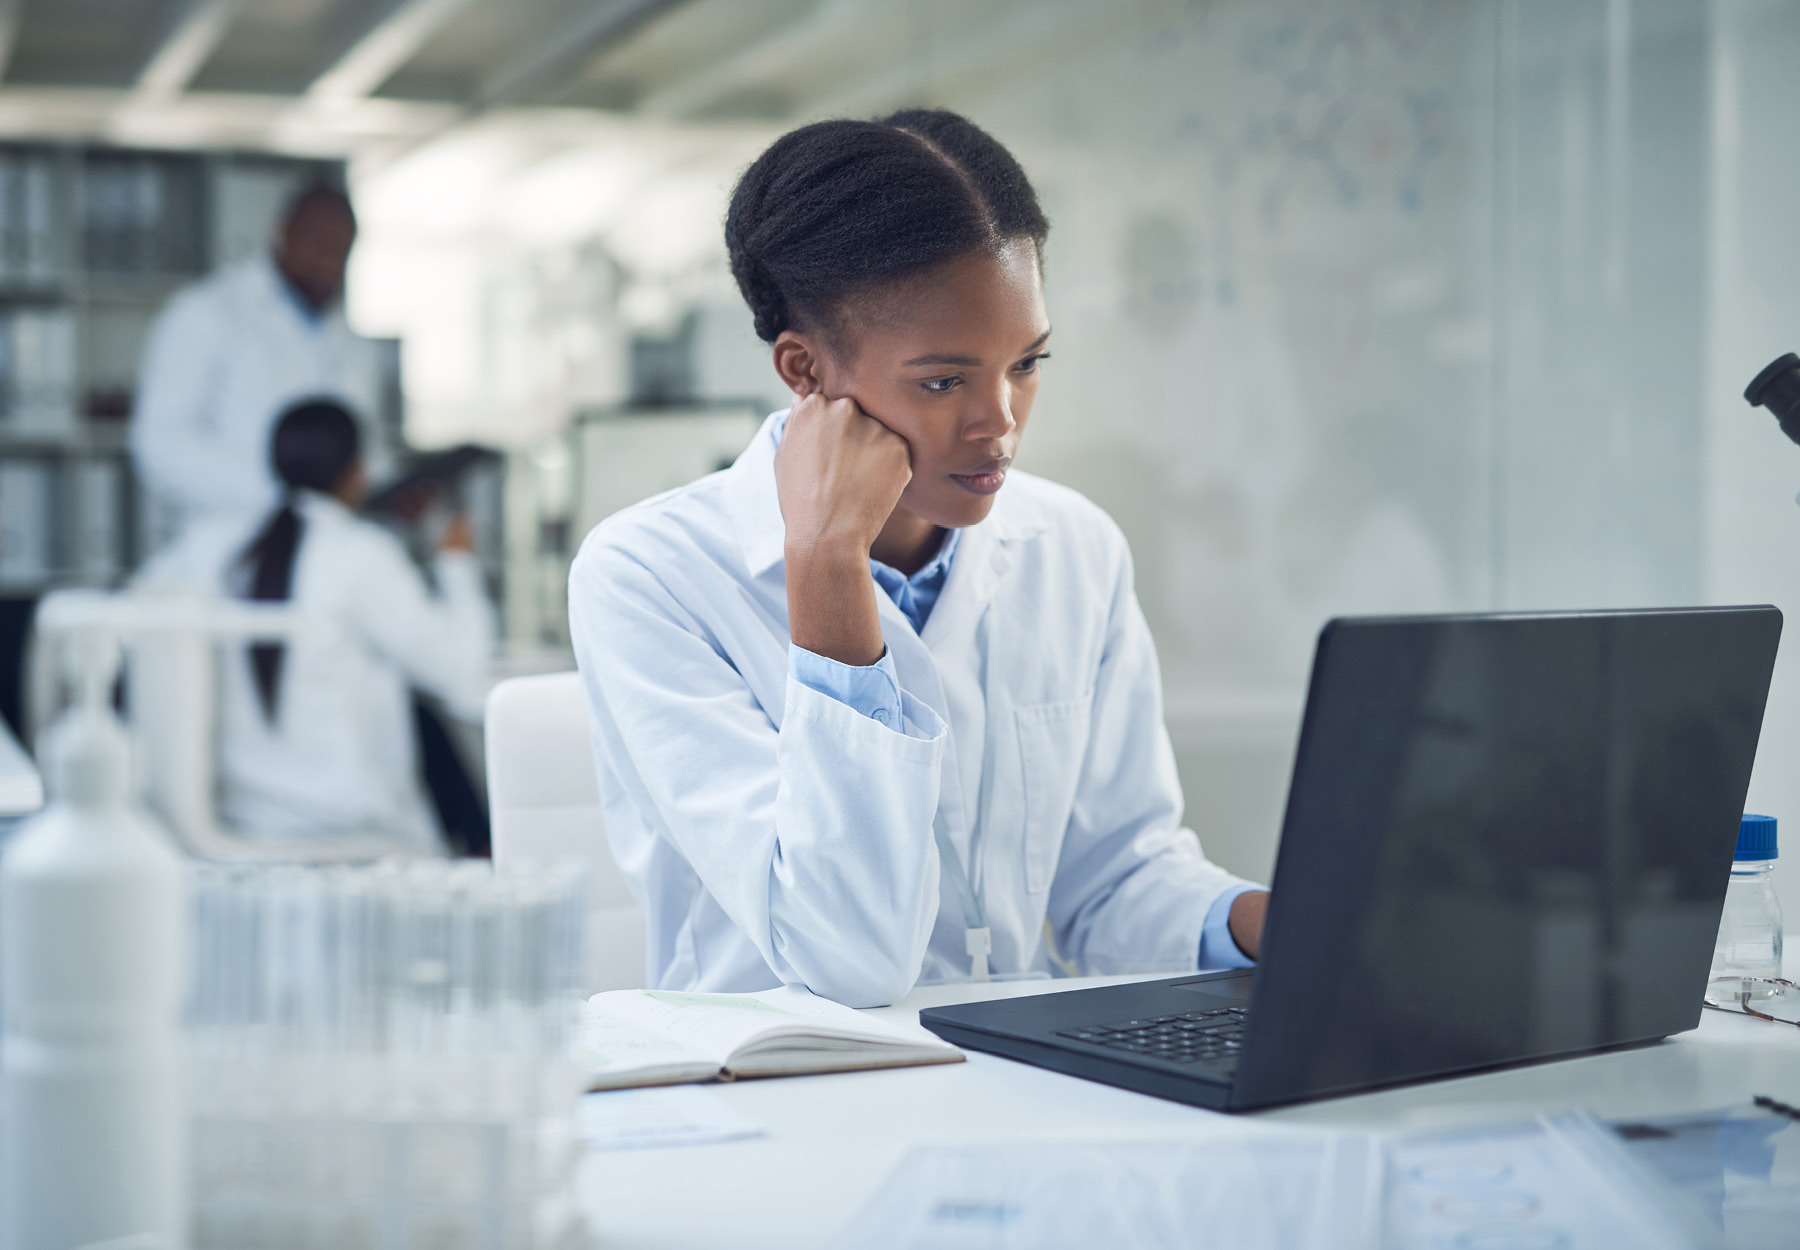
(872, 690)
(1218, 949)
(918, 738)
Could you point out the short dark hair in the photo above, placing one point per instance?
(318, 197)
(839, 206)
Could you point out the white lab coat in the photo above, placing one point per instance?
(224, 359)
(777, 836)
(340, 759)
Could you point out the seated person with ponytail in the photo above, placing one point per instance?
(871, 708)
(316, 736)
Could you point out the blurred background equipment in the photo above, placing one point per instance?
(93, 1137)
(387, 1057)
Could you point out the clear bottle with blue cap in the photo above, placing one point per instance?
(1748, 952)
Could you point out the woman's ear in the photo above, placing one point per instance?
(798, 361)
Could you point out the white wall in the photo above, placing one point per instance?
(1600, 293)
(1752, 526)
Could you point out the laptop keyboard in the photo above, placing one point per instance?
(1191, 1037)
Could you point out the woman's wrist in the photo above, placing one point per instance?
(831, 606)
(1248, 911)
(839, 552)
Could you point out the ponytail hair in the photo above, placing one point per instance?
(315, 444)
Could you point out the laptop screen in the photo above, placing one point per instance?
(1506, 837)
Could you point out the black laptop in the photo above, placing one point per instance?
(1507, 839)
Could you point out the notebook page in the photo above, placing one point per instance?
(718, 1025)
(609, 1048)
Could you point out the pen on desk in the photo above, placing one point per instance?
(1780, 1108)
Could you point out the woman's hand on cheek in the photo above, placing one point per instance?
(839, 473)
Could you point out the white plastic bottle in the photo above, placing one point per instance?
(1748, 951)
(92, 1108)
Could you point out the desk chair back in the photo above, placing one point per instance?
(544, 806)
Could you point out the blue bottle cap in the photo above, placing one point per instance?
(1756, 838)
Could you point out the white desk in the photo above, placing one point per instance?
(832, 1140)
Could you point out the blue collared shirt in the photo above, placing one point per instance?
(874, 691)
(915, 596)
(313, 316)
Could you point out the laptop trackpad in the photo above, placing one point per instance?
(1235, 986)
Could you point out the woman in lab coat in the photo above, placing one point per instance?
(870, 707)
(316, 736)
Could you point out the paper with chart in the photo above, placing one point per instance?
(1268, 1191)
(1557, 1183)
(676, 1115)
(1560, 1182)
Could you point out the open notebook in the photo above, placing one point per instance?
(660, 1037)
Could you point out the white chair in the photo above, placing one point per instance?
(543, 806)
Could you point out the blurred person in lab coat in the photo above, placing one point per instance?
(229, 354)
(871, 707)
(316, 736)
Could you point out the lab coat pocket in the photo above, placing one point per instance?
(1052, 743)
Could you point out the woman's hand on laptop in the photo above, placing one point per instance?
(1248, 910)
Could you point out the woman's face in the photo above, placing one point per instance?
(949, 360)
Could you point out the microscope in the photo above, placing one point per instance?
(1777, 388)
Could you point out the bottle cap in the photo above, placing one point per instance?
(1756, 838)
